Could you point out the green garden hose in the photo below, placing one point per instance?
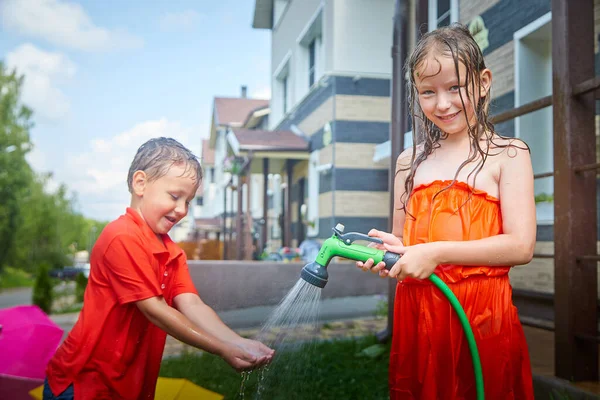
(464, 321)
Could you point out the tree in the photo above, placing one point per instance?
(15, 172)
(36, 226)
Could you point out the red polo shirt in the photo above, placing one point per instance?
(114, 351)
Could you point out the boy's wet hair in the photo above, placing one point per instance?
(453, 41)
(157, 156)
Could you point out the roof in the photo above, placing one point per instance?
(252, 139)
(255, 117)
(263, 14)
(234, 111)
(208, 154)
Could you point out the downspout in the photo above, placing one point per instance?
(333, 144)
(398, 125)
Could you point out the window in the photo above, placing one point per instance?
(282, 86)
(212, 174)
(200, 200)
(284, 93)
(311, 63)
(309, 54)
(442, 13)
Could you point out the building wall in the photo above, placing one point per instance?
(352, 20)
(284, 46)
(355, 191)
(343, 24)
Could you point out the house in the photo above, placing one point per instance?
(240, 136)
(330, 84)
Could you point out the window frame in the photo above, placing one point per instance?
(434, 19)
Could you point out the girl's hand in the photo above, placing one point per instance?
(388, 239)
(418, 261)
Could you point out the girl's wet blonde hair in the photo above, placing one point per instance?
(453, 41)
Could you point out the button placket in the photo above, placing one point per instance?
(165, 277)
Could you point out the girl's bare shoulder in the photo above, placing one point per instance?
(508, 152)
(504, 146)
(407, 157)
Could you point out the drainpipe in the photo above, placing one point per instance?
(334, 144)
(398, 125)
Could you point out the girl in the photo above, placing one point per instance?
(464, 209)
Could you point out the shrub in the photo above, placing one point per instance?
(80, 285)
(42, 289)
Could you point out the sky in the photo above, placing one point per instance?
(102, 77)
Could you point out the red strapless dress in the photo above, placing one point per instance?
(430, 357)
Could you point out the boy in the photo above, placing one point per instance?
(140, 289)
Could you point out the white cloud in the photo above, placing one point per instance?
(44, 72)
(262, 93)
(62, 23)
(99, 174)
(179, 20)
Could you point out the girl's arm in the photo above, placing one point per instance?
(513, 247)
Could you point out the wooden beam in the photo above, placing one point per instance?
(522, 110)
(587, 86)
(575, 231)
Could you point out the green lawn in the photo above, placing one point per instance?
(341, 369)
(12, 278)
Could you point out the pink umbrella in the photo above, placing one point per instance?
(28, 339)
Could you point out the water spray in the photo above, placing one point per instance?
(342, 244)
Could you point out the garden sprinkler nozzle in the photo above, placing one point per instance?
(342, 245)
(315, 274)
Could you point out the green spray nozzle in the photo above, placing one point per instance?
(342, 245)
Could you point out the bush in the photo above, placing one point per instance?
(80, 285)
(42, 289)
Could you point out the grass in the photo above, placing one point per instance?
(340, 369)
(11, 278)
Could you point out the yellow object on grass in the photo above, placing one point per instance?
(37, 393)
(166, 389)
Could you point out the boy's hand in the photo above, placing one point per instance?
(388, 239)
(264, 353)
(246, 354)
